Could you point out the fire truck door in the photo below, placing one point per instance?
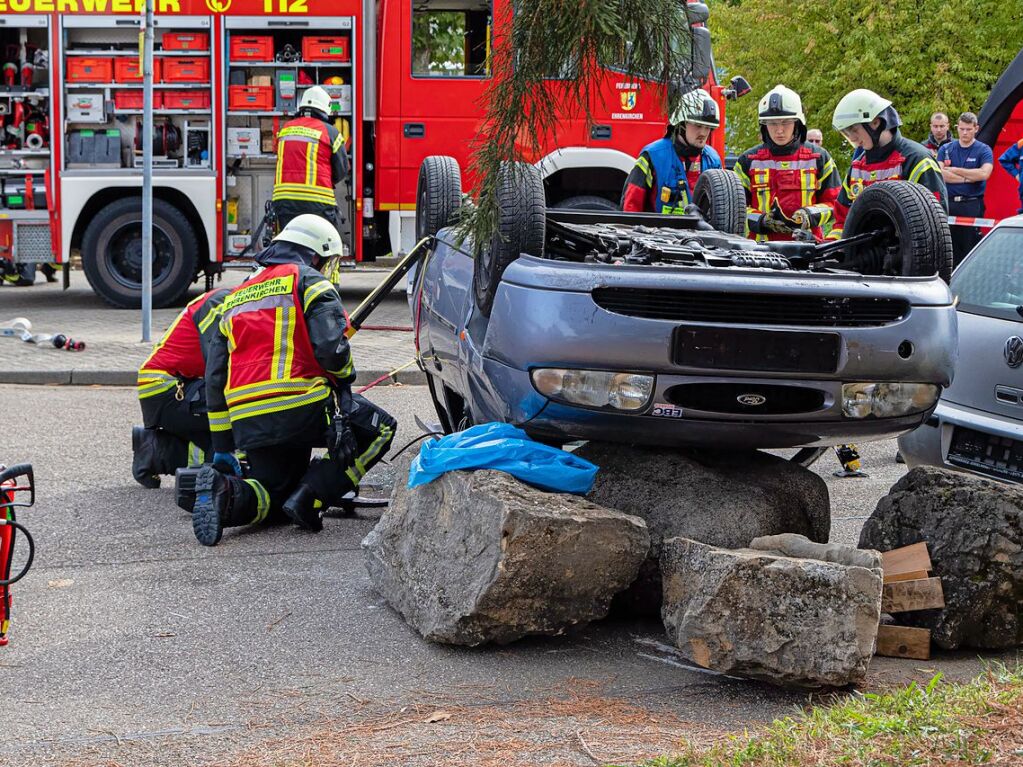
(445, 66)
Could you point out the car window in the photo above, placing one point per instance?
(990, 281)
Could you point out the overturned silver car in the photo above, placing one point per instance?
(677, 330)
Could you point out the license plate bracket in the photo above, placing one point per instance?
(773, 351)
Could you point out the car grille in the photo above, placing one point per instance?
(746, 399)
(750, 308)
(987, 454)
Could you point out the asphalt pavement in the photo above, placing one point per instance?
(133, 645)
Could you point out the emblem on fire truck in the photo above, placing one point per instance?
(628, 100)
(218, 6)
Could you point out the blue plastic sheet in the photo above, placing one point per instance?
(503, 447)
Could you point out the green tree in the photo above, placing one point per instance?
(438, 42)
(924, 55)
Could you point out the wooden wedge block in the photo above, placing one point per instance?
(913, 576)
(903, 642)
(919, 594)
(908, 559)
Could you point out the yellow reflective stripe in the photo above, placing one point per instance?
(829, 168)
(276, 360)
(922, 167)
(262, 500)
(338, 142)
(289, 342)
(280, 166)
(299, 130)
(196, 455)
(210, 318)
(314, 291)
(296, 384)
(151, 390)
(346, 370)
(382, 438)
(220, 420)
(310, 163)
(737, 169)
(644, 166)
(304, 193)
(277, 404)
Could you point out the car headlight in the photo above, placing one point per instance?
(594, 388)
(887, 400)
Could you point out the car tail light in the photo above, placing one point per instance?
(595, 388)
(887, 400)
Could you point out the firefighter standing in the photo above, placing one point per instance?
(311, 161)
(172, 395)
(871, 124)
(278, 378)
(789, 183)
(663, 179)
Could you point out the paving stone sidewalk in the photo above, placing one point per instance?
(114, 350)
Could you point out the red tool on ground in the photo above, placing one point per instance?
(14, 483)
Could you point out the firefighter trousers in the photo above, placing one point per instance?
(276, 471)
(286, 210)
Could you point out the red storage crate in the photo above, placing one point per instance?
(325, 49)
(196, 99)
(132, 99)
(251, 97)
(182, 70)
(252, 48)
(128, 70)
(87, 69)
(186, 41)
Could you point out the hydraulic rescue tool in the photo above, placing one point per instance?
(11, 498)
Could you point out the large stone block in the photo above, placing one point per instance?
(785, 610)
(722, 498)
(476, 557)
(974, 533)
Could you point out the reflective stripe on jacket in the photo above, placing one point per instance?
(305, 147)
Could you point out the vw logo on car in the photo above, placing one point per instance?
(1013, 351)
(751, 400)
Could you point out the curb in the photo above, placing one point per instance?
(413, 377)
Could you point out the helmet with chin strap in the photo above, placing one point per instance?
(315, 235)
(781, 103)
(861, 107)
(697, 107)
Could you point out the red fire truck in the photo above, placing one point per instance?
(227, 74)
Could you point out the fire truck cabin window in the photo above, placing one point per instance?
(451, 38)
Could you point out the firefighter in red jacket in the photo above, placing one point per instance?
(664, 176)
(278, 384)
(789, 183)
(871, 124)
(172, 394)
(311, 161)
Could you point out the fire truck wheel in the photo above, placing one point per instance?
(438, 195)
(112, 253)
(522, 225)
(722, 200)
(586, 202)
(917, 241)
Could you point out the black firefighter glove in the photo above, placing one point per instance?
(762, 223)
(341, 445)
(810, 217)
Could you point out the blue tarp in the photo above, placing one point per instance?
(503, 447)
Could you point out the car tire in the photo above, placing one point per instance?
(438, 195)
(586, 202)
(722, 200)
(112, 253)
(919, 242)
(521, 227)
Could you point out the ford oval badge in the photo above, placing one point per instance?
(751, 400)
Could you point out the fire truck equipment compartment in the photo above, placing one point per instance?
(88, 69)
(86, 108)
(133, 99)
(182, 70)
(243, 141)
(128, 70)
(324, 48)
(252, 48)
(90, 149)
(195, 99)
(186, 41)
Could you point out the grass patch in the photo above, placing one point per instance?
(978, 723)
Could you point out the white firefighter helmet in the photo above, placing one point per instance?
(781, 103)
(313, 232)
(316, 98)
(699, 108)
(857, 107)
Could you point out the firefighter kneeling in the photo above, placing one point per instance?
(278, 384)
(311, 161)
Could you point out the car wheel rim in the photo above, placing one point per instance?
(124, 256)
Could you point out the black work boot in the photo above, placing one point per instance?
(143, 462)
(220, 501)
(184, 486)
(303, 508)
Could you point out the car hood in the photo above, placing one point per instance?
(543, 274)
(983, 379)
